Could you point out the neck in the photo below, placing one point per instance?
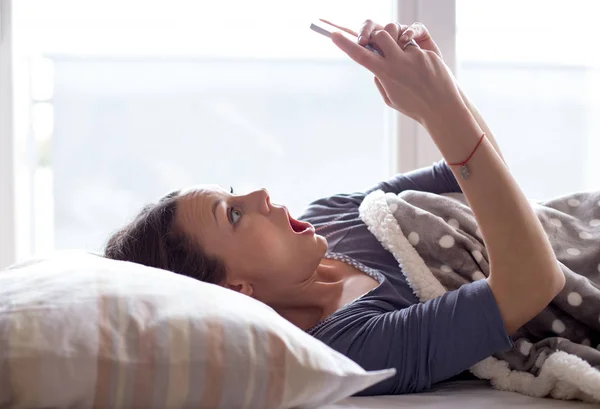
(318, 300)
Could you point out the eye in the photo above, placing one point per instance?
(233, 213)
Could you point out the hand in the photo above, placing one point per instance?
(413, 81)
(419, 33)
(416, 31)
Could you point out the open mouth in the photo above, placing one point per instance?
(297, 226)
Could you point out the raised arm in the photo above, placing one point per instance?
(524, 273)
(481, 122)
(419, 33)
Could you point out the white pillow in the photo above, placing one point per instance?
(78, 330)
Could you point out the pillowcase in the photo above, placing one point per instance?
(79, 330)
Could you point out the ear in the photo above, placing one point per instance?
(240, 286)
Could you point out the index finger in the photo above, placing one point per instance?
(346, 29)
(358, 53)
(366, 29)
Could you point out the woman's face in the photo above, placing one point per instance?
(265, 257)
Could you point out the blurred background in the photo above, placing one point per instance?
(116, 103)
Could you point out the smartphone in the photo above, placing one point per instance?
(326, 29)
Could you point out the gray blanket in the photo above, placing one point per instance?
(437, 242)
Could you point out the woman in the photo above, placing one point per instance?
(331, 277)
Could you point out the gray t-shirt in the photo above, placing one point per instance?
(388, 327)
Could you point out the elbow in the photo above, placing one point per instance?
(520, 300)
(554, 282)
(557, 283)
(556, 279)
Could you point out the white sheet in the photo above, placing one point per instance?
(458, 395)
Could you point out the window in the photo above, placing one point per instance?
(119, 102)
(127, 100)
(532, 68)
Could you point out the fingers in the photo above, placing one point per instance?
(346, 29)
(358, 53)
(402, 27)
(401, 33)
(414, 31)
(384, 95)
(393, 29)
(384, 41)
(369, 27)
(365, 31)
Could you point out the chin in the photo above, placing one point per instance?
(323, 241)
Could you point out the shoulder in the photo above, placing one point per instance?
(333, 205)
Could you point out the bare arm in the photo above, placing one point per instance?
(480, 121)
(524, 274)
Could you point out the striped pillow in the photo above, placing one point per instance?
(78, 330)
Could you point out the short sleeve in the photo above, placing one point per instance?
(427, 342)
(437, 178)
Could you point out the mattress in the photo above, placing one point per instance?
(469, 394)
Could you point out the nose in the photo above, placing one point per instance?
(262, 200)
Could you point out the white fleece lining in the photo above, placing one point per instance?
(563, 375)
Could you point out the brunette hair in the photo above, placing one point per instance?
(153, 239)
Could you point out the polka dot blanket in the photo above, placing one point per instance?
(437, 242)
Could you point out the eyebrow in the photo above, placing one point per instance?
(214, 209)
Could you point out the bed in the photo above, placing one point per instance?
(457, 394)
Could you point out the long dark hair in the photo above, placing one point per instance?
(153, 239)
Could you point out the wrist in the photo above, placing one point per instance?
(444, 115)
(455, 131)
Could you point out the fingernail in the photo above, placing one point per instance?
(403, 38)
(360, 38)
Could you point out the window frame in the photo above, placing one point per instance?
(8, 248)
(409, 145)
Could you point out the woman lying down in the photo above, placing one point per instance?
(429, 272)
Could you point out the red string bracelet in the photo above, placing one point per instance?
(464, 171)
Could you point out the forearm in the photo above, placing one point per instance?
(481, 122)
(524, 272)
